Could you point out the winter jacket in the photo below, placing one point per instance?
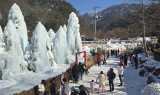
(74, 92)
(101, 79)
(75, 70)
(120, 70)
(122, 64)
(98, 59)
(83, 90)
(41, 89)
(92, 85)
(135, 59)
(125, 58)
(65, 89)
(132, 60)
(110, 74)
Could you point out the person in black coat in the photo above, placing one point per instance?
(75, 72)
(136, 61)
(83, 90)
(125, 59)
(82, 69)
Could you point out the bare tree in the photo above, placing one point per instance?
(145, 5)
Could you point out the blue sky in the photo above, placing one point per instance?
(84, 6)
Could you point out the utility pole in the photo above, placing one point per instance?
(95, 8)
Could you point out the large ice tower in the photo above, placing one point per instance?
(40, 54)
(73, 35)
(16, 16)
(60, 47)
(14, 60)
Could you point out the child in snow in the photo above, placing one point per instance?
(73, 91)
(92, 85)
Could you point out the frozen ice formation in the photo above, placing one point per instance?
(73, 35)
(38, 58)
(16, 16)
(1, 34)
(14, 58)
(60, 49)
(51, 35)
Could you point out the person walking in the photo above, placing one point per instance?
(136, 61)
(108, 55)
(116, 53)
(65, 89)
(125, 59)
(92, 85)
(120, 72)
(98, 59)
(104, 59)
(82, 69)
(101, 79)
(132, 60)
(111, 77)
(75, 72)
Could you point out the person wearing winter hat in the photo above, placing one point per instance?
(73, 91)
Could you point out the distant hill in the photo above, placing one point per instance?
(111, 13)
(133, 22)
(52, 13)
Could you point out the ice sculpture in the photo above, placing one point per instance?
(60, 47)
(16, 16)
(64, 28)
(14, 58)
(1, 34)
(51, 35)
(73, 35)
(38, 58)
(40, 54)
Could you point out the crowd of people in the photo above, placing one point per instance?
(79, 69)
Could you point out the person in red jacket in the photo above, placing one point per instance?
(98, 60)
(121, 62)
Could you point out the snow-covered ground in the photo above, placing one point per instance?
(130, 79)
(26, 81)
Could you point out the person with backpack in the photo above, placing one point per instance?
(111, 77)
(120, 72)
(83, 90)
(101, 79)
(98, 59)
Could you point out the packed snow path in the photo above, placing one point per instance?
(130, 79)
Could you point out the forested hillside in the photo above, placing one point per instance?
(52, 13)
(133, 25)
